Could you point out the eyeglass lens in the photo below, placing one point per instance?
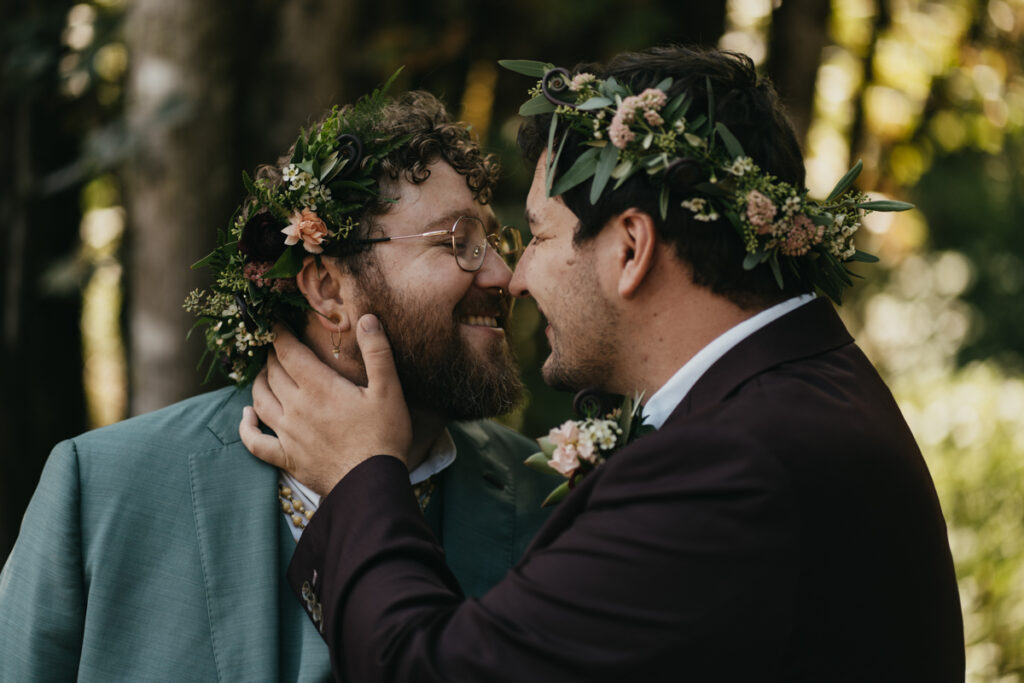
(470, 240)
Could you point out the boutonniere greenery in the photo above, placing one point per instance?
(576, 447)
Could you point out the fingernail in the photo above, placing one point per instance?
(370, 323)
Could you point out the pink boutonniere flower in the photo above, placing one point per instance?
(576, 447)
(309, 228)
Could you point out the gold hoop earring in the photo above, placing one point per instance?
(336, 349)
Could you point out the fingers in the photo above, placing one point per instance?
(264, 446)
(265, 403)
(296, 358)
(381, 375)
(280, 381)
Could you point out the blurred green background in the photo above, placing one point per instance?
(125, 123)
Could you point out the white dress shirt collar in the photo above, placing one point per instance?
(441, 455)
(664, 401)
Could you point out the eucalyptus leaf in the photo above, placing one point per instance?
(549, 166)
(535, 106)
(526, 67)
(626, 176)
(287, 265)
(885, 205)
(622, 169)
(665, 85)
(751, 261)
(733, 145)
(864, 257)
(824, 219)
(247, 182)
(539, 463)
(676, 107)
(711, 102)
(846, 181)
(557, 495)
(209, 258)
(663, 201)
(606, 163)
(547, 446)
(328, 164)
(773, 261)
(584, 167)
(300, 148)
(595, 103)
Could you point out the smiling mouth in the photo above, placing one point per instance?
(480, 320)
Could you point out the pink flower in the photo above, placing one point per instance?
(652, 98)
(255, 271)
(761, 212)
(585, 450)
(308, 227)
(566, 433)
(801, 236)
(580, 80)
(653, 118)
(619, 132)
(565, 460)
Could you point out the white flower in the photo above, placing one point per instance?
(696, 204)
(740, 166)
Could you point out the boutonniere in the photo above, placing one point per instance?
(576, 447)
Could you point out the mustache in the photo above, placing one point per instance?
(485, 304)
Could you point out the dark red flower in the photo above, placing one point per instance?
(262, 239)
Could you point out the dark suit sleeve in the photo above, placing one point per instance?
(658, 560)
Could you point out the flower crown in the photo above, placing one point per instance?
(329, 181)
(628, 133)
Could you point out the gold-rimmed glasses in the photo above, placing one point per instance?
(469, 240)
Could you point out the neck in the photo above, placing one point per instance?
(426, 427)
(670, 324)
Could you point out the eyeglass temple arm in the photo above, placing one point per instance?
(375, 240)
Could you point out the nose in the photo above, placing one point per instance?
(493, 273)
(517, 285)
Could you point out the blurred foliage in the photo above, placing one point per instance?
(970, 423)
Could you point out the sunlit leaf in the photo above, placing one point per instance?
(526, 67)
(846, 181)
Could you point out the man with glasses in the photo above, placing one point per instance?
(155, 549)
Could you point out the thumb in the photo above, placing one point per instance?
(381, 375)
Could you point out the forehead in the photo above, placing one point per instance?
(441, 198)
(543, 212)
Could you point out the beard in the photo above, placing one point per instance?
(439, 370)
(584, 325)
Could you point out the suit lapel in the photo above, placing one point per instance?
(237, 519)
(478, 513)
(811, 329)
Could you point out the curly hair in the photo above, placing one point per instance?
(433, 136)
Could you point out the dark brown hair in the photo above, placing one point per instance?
(748, 106)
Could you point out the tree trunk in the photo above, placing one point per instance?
(179, 180)
(799, 32)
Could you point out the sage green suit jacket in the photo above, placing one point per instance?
(155, 549)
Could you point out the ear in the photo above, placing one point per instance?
(638, 239)
(328, 291)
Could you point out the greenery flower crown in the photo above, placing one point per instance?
(628, 133)
(329, 181)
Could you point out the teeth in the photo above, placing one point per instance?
(484, 320)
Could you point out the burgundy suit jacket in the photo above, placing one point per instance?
(780, 526)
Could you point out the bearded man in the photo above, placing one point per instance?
(155, 549)
(779, 524)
